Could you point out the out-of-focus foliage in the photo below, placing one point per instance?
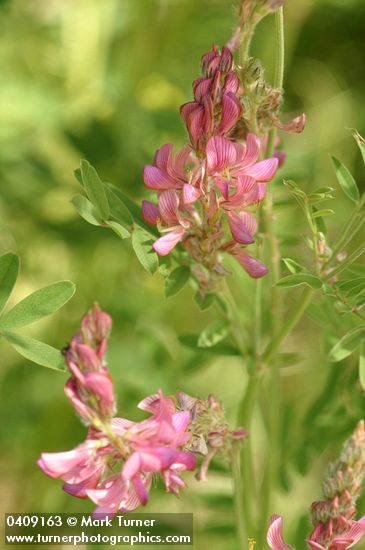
(103, 80)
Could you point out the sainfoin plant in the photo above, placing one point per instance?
(208, 220)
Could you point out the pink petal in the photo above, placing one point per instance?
(78, 489)
(121, 425)
(58, 464)
(226, 60)
(252, 266)
(243, 226)
(165, 244)
(264, 170)
(190, 193)
(110, 496)
(357, 531)
(275, 534)
(168, 204)
(150, 404)
(163, 156)
(132, 466)
(154, 178)
(231, 112)
(231, 83)
(220, 153)
(181, 421)
(202, 87)
(176, 166)
(150, 212)
(315, 545)
(195, 124)
(88, 356)
(140, 490)
(187, 109)
(102, 386)
(245, 185)
(208, 121)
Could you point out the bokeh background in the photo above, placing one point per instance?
(103, 80)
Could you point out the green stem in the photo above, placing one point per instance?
(351, 259)
(238, 491)
(352, 227)
(276, 308)
(291, 321)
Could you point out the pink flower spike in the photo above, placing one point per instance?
(165, 244)
(150, 212)
(253, 267)
(221, 153)
(231, 112)
(275, 534)
(243, 226)
(190, 193)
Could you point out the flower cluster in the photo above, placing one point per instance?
(213, 181)
(115, 465)
(334, 528)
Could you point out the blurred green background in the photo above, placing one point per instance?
(103, 80)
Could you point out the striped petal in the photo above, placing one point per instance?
(163, 156)
(264, 170)
(190, 193)
(150, 212)
(275, 534)
(245, 185)
(243, 226)
(154, 178)
(168, 205)
(165, 244)
(253, 267)
(231, 112)
(221, 154)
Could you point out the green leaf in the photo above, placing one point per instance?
(134, 209)
(292, 265)
(142, 245)
(176, 280)
(87, 210)
(346, 180)
(38, 304)
(300, 279)
(222, 348)
(118, 209)
(204, 302)
(322, 213)
(361, 143)
(213, 334)
(362, 364)
(36, 351)
(347, 345)
(121, 231)
(9, 269)
(78, 176)
(94, 188)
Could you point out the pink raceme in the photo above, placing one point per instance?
(211, 187)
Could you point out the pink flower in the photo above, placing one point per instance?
(80, 469)
(115, 465)
(351, 534)
(90, 388)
